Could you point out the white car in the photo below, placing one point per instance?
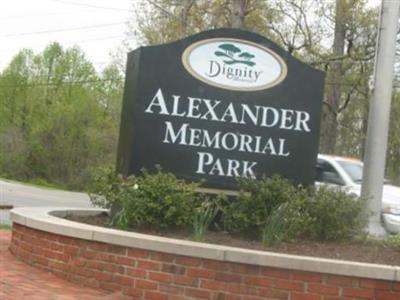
(347, 173)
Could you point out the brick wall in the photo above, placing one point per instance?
(154, 275)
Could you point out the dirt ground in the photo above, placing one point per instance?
(360, 251)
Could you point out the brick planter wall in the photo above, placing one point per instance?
(145, 274)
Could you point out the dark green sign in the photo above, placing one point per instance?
(219, 105)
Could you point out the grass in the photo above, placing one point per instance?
(36, 182)
(5, 227)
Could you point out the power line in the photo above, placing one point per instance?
(96, 81)
(90, 5)
(64, 29)
(67, 42)
(61, 83)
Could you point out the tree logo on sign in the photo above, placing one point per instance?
(234, 55)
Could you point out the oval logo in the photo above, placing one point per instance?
(234, 64)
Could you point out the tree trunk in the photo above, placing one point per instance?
(238, 13)
(329, 130)
(187, 5)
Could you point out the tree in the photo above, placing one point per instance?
(60, 118)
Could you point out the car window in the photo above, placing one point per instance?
(353, 169)
(327, 173)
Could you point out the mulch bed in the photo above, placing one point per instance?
(360, 251)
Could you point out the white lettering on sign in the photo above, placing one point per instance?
(184, 134)
(205, 109)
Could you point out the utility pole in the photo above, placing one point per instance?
(379, 112)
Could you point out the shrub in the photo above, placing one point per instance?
(205, 213)
(393, 241)
(329, 214)
(256, 202)
(276, 210)
(158, 200)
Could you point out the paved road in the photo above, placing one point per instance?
(19, 195)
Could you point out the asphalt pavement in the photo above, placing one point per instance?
(21, 195)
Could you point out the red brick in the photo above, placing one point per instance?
(98, 247)
(246, 269)
(170, 289)
(173, 269)
(341, 280)
(155, 296)
(358, 293)
(145, 284)
(323, 289)
(198, 294)
(113, 268)
(88, 254)
(79, 262)
(375, 284)
(174, 297)
(148, 265)
(227, 277)
(162, 277)
(215, 265)
(84, 272)
(105, 257)
(71, 250)
(138, 253)
(273, 294)
(200, 273)
(183, 280)
(301, 296)
(102, 276)
(396, 286)
(307, 276)
(133, 292)
(187, 261)
(289, 285)
(276, 273)
(213, 285)
(109, 286)
(163, 257)
(123, 280)
(382, 295)
(260, 281)
(117, 250)
(241, 289)
(122, 260)
(137, 273)
(232, 297)
(96, 265)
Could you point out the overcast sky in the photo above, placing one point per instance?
(97, 26)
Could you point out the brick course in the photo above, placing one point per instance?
(142, 274)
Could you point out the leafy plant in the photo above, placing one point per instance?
(255, 204)
(393, 241)
(330, 214)
(158, 200)
(204, 214)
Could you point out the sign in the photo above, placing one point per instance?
(219, 105)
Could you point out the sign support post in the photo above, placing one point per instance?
(379, 115)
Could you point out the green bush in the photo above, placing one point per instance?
(158, 200)
(257, 200)
(271, 209)
(276, 210)
(205, 213)
(328, 214)
(393, 241)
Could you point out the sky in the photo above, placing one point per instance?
(97, 26)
